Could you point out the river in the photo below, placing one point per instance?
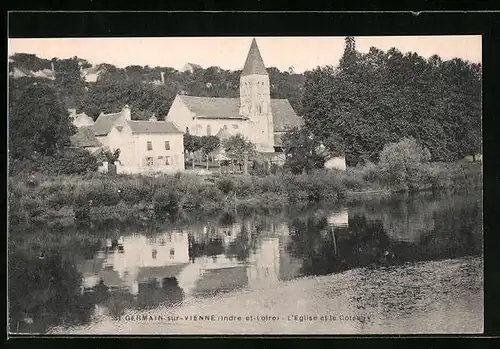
(398, 265)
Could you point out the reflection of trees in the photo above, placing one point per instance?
(243, 244)
(310, 243)
(458, 233)
(327, 249)
(152, 293)
(410, 218)
(208, 246)
(45, 289)
(455, 231)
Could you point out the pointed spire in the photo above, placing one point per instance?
(254, 63)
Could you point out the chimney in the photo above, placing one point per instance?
(52, 66)
(163, 77)
(126, 112)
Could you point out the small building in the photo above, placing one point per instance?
(80, 119)
(190, 67)
(336, 163)
(90, 74)
(148, 146)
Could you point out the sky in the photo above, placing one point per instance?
(301, 53)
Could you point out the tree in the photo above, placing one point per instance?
(239, 150)
(377, 98)
(303, 152)
(208, 145)
(37, 122)
(192, 144)
(349, 58)
(110, 156)
(70, 85)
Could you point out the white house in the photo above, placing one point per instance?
(147, 146)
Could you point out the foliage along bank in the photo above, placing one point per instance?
(66, 200)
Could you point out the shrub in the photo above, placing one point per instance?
(402, 164)
(65, 162)
(437, 175)
(225, 185)
(82, 209)
(370, 172)
(244, 186)
(166, 202)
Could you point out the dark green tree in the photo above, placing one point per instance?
(37, 122)
(303, 152)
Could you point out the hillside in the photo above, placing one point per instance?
(106, 88)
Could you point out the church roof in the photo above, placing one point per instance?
(84, 137)
(152, 127)
(254, 63)
(105, 123)
(211, 107)
(283, 115)
(229, 108)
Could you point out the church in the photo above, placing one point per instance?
(254, 114)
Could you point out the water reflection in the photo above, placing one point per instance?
(165, 269)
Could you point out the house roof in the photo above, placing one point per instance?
(85, 137)
(194, 65)
(91, 70)
(20, 70)
(229, 108)
(105, 122)
(152, 127)
(254, 63)
(223, 134)
(76, 116)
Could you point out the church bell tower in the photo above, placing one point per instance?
(255, 100)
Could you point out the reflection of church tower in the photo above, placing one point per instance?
(255, 100)
(264, 264)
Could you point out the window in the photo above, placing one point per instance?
(235, 126)
(150, 145)
(154, 253)
(260, 108)
(168, 161)
(167, 145)
(172, 253)
(160, 159)
(149, 161)
(187, 129)
(209, 130)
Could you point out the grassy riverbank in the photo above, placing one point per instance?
(65, 200)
